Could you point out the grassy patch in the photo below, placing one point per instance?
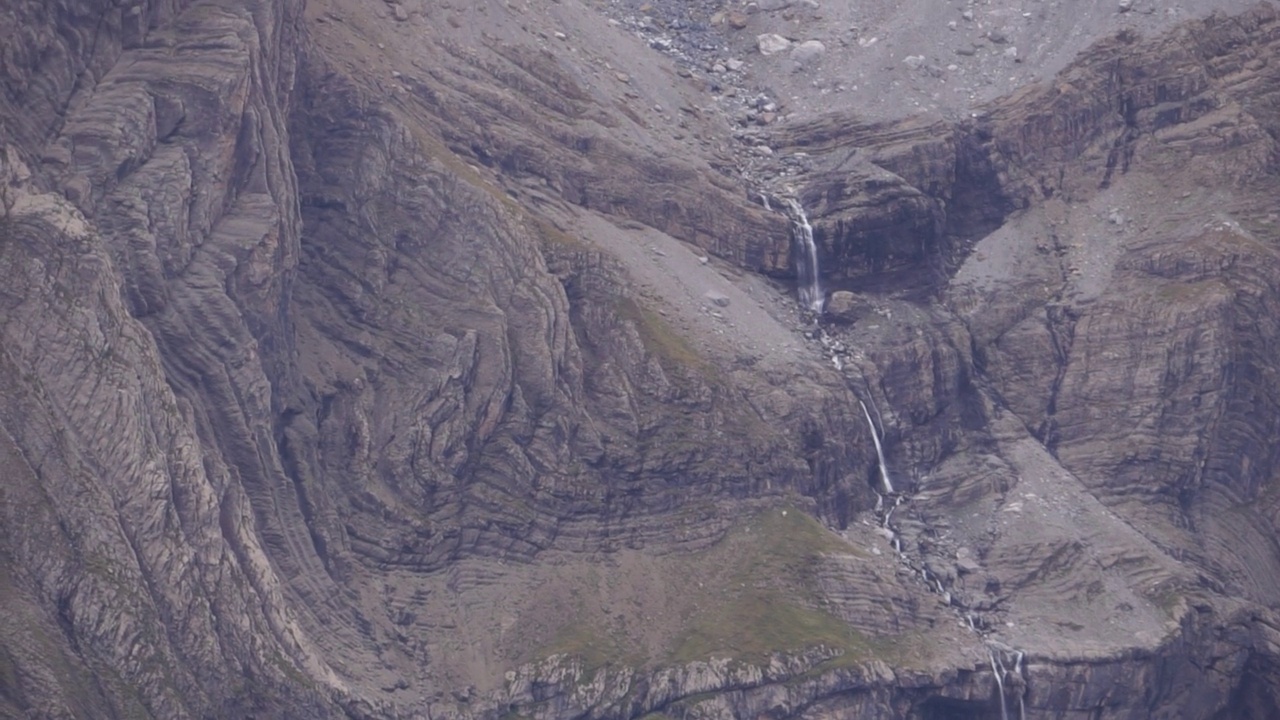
(754, 593)
(1190, 292)
(766, 599)
(659, 338)
(8, 674)
(552, 234)
(593, 646)
(1168, 599)
(756, 623)
(289, 670)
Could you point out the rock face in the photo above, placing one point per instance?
(367, 361)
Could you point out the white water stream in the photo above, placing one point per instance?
(997, 653)
(807, 276)
(1017, 670)
(884, 471)
(997, 669)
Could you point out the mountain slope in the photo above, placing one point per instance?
(395, 360)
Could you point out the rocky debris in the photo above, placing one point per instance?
(691, 33)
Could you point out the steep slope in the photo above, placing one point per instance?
(409, 359)
(1118, 320)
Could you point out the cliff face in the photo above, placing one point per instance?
(411, 360)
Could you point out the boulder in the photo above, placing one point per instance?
(807, 52)
(846, 307)
(717, 298)
(771, 43)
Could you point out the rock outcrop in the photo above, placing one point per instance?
(415, 360)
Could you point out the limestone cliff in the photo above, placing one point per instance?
(429, 360)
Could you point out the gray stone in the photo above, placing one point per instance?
(846, 307)
(717, 298)
(808, 51)
(965, 562)
(771, 43)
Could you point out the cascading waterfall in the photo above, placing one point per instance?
(884, 471)
(1010, 677)
(997, 653)
(806, 258)
(1017, 671)
(997, 669)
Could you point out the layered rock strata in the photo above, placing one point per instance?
(356, 366)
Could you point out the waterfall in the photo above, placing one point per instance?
(884, 472)
(998, 670)
(1016, 678)
(1022, 685)
(806, 258)
(1008, 665)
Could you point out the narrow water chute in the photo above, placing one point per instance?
(875, 437)
(808, 283)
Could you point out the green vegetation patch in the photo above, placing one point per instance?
(552, 234)
(765, 598)
(1168, 597)
(594, 647)
(672, 349)
(1196, 292)
(752, 594)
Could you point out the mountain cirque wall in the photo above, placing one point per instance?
(333, 384)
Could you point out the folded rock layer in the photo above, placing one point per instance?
(404, 360)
